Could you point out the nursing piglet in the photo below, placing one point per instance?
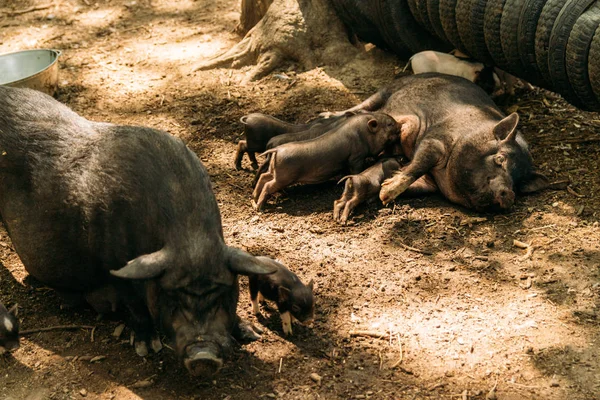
(318, 160)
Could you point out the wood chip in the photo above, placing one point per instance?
(142, 384)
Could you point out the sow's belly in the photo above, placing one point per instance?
(51, 243)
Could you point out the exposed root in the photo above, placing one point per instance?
(304, 31)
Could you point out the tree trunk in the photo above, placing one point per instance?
(252, 12)
(306, 31)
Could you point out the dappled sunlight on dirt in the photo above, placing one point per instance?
(465, 307)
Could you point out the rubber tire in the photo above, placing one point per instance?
(447, 15)
(463, 24)
(480, 50)
(491, 29)
(594, 63)
(578, 52)
(414, 10)
(433, 9)
(542, 39)
(528, 21)
(423, 17)
(509, 35)
(557, 61)
(398, 24)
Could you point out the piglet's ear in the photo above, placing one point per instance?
(147, 266)
(284, 294)
(14, 310)
(372, 124)
(534, 183)
(506, 130)
(311, 284)
(243, 263)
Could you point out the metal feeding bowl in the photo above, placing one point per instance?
(35, 69)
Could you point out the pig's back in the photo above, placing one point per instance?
(84, 197)
(435, 97)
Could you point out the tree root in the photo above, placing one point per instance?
(304, 31)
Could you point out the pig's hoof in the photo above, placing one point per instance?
(156, 345)
(202, 362)
(254, 166)
(247, 332)
(141, 348)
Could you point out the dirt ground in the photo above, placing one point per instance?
(466, 313)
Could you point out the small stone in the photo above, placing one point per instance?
(118, 331)
(555, 204)
(316, 377)
(97, 359)
(271, 395)
(83, 392)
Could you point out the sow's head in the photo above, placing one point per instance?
(194, 302)
(487, 173)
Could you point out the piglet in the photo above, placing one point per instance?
(362, 187)
(434, 61)
(505, 83)
(318, 160)
(318, 127)
(295, 300)
(9, 329)
(366, 186)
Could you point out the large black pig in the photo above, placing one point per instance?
(451, 129)
(124, 217)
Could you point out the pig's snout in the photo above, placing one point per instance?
(505, 198)
(203, 358)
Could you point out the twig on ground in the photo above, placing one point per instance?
(29, 9)
(374, 334)
(427, 253)
(394, 365)
(55, 328)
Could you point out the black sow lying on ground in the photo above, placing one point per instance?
(123, 217)
(452, 130)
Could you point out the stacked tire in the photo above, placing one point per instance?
(553, 44)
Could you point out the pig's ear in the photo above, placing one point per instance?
(534, 183)
(311, 284)
(14, 310)
(147, 266)
(243, 263)
(373, 124)
(506, 130)
(284, 294)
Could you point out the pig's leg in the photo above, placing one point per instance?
(338, 205)
(264, 178)
(245, 331)
(373, 103)
(264, 167)
(426, 158)
(252, 156)
(141, 324)
(254, 293)
(350, 205)
(271, 186)
(242, 148)
(423, 185)
(286, 320)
